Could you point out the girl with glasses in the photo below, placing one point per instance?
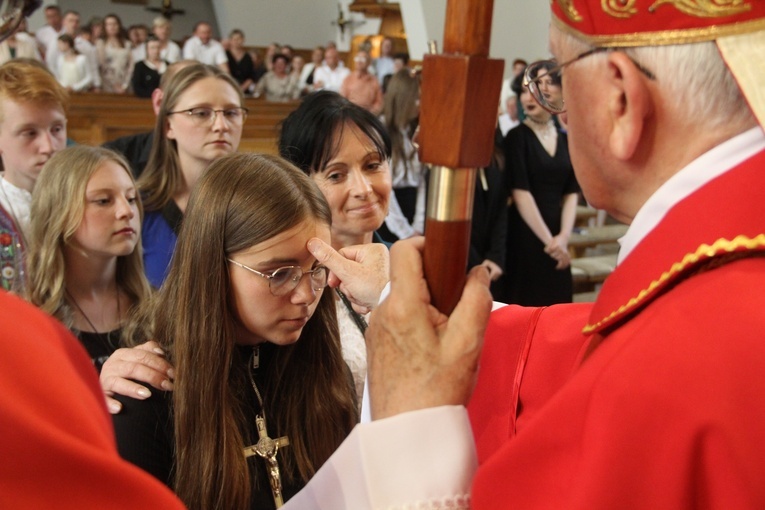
(262, 396)
(345, 150)
(200, 119)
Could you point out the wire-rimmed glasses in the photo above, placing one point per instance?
(285, 279)
(543, 79)
(205, 116)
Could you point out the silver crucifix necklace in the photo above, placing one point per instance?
(266, 448)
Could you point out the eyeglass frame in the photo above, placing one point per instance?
(271, 276)
(190, 115)
(527, 80)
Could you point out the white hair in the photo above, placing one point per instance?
(693, 79)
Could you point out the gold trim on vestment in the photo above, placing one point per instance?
(662, 37)
(702, 252)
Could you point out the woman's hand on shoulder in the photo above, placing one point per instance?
(360, 272)
(145, 363)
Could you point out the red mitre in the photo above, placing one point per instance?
(736, 26)
(623, 23)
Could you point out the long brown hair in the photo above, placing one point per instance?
(162, 177)
(400, 113)
(243, 200)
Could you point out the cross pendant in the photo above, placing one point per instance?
(268, 448)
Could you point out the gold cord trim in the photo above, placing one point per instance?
(661, 38)
(702, 252)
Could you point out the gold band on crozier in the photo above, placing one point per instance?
(450, 195)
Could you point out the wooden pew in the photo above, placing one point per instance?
(590, 237)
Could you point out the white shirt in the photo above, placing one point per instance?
(47, 35)
(17, 202)
(304, 74)
(83, 47)
(422, 459)
(332, 79)
(383, 66)
(398, 224)
(170, 53)
(353, 346)
(138, 53)
(506, 123)
(74, 73)
(211, 53)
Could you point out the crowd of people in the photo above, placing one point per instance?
(104, 55)
(226, 299)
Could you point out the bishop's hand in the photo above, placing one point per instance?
(418, 357)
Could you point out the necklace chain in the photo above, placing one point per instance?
(253, 364)
(544, 130)
(84, 315)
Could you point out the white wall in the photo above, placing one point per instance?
(519, 29)
(300, 23)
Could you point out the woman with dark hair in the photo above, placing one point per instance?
(72, 69)
(148, 72)
(278, 84)
(115, 62)
(345, 150)
(262, 396)
(240, 63)
(544, 192)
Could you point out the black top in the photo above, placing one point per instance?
(530, 276)
(145, 436)
(99, 345)
(135, 148)
(489, 221)
(145, 79)
(242, 70)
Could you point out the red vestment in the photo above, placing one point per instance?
(658, 404)
(57, 443)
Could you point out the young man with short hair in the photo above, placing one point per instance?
(32, 128)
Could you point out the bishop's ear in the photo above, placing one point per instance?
(629, 104)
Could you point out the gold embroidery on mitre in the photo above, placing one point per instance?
(567, 6)
(619, 8)
(706, 8)
(704, 251)
(662, 37)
